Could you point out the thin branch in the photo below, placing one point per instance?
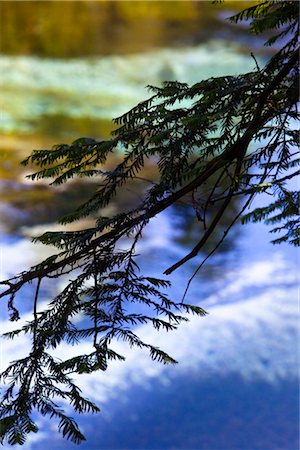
(215, 221)
(263, 177)
(35, 316)
(254, 188)
(212, 193)
(256, 63)
(202, 241)
(217, 245)
(96, 301)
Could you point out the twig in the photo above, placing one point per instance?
(217, 246)
(35, 314)
(256, 63)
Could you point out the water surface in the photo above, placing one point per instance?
(67, 75)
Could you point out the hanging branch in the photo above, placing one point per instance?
(225, 233)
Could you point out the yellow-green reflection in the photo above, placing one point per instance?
(81, 28)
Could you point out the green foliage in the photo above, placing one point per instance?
(288, 216)
(237, 131)
(271, 15)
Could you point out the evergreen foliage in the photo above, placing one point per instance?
(238, 131)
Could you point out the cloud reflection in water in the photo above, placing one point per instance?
(250, 333)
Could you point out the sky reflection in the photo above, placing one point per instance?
(248, 340)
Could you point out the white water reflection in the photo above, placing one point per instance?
(251, 330)
(103, 87)
(254, 337)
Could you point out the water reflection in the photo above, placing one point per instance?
(62, 100)
(82, 28)
(235, 384)
(234, 381)
(45, 101)
(37, 93)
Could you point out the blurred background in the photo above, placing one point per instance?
(67, 68)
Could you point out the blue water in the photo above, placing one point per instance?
(222, 413)
(236, 383)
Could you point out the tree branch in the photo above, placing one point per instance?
(234, 151)
(217, 245)
(202, 241)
